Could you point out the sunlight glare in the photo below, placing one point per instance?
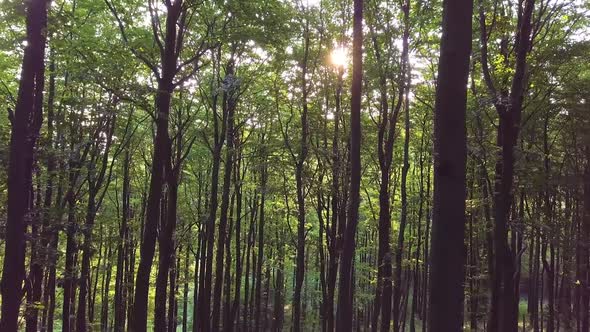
(339, 57)
(311, 3)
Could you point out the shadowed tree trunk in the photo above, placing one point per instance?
(69, 276)
(239, 175)
(263, 181)
(26, 123)
(95, 180)
(48, 228)
(405, 80)
(206, 269)
(385, 147)
(334, 236)
(584, 255)
(300, 163)
(229, 104)
(504, 302)
(123, 249)
(346, 286)
(445, 310)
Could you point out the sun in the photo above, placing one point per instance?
(339, 57)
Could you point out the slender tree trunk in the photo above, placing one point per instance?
(69, 282)
(199, 260)
(299, 179)
(504, 305)
(279, 284)
(321, 254)
(345, 295)
(427, 241)
(584, 255)
(205, 286)
(227, 305)
(85, 273)
(167, 251)
(335, 235)
(238, 178)
(48, 228)
(122, 249)
(160, 158)
(185, 289)
(249, 244)
(172, 299)
(104, 314)
(263, 179)
(405, 83)
(385, 145)
(229, 103)
(416, 274)
(50, 284)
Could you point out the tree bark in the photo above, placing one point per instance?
(585, 252)
(161, 157)
(299, 179)
(26, 123)
(263, 180)
(229, 105)
(122, 249)
(445, 309)
(345, 295)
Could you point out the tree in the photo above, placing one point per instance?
(508, 103)
(26, 123)
(170, 47)
(450, 155)
(214, 138)
(345, 294)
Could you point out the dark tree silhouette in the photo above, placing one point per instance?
(445, 310)
(26, 123)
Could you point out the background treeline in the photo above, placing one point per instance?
(186, 165)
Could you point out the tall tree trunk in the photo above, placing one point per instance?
(279, 284)
(122, 249)
(416, 274)
(96, 177)
(172, 298)
(504, 305)
(205, 284)
(167, 250)
(425, 287)
(26, 123)
(385, 145)
(238, 179)
(263, 180)
(335, 235)
(249, 244)
(227, 322)
(404, 90)
(321, 259)
(197, 277)
(445, 310)
(229, 103)
(345, 295)
(299, 179)
(69, 282)
(585, 251)
(48, 228)
(160, 158)
(106, 285)
(85, 273)
(50, 283)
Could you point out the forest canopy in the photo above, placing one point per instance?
(298, 165)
